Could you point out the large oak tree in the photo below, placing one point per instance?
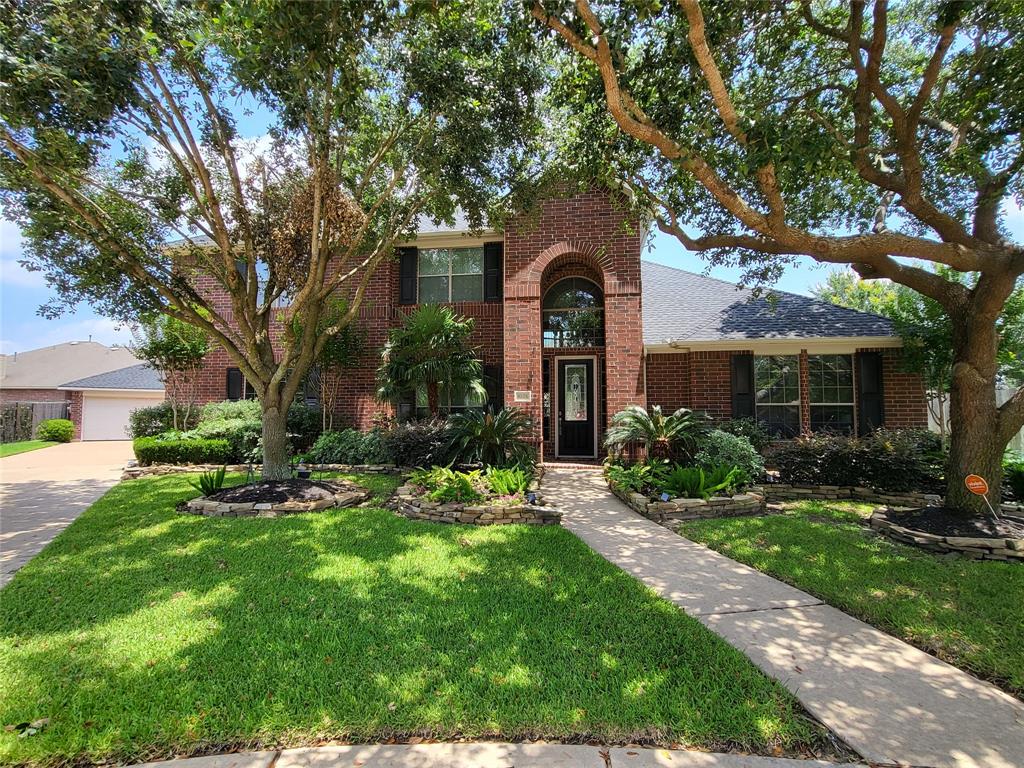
(853, 133)
(118, 136)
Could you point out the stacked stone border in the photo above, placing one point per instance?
(975, 548)
(204, 506)
(675, 510)
(414, 507)
(130, 473)
(910, 499)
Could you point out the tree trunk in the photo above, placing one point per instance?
(275, 442)
(433, 399)
(974, 445)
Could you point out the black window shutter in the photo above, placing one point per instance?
(742, 386)
(234, 384)
(493, 277)
(407, 275)
(494, 384)
(870, 397)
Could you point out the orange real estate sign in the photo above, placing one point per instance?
(976, 484)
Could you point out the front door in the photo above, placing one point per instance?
(576, 408)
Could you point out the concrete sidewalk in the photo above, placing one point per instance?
(888, 700)
(42, 492)
(485, 755)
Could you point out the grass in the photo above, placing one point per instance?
(141, 633)
(23, 446)
(967, 612)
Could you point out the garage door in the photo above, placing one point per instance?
(106, 418)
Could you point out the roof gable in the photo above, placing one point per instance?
(140, 376)
(681, 306)
(49, 367)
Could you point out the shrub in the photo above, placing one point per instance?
(509, 481)
(304, 425)
(231, 409)
(209, 482)
(445, 484)
(492, 439)
(888, 460)
(665, 437)
(750, 429)
(416, 444)
(1013, 474)
(173, 450)
(723, 448)
(57, 430)
(349, 446)
(695, 483)
(243, 435)
(635, 478)
(150, 421)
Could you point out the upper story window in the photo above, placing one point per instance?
(831, 392)
(573, 314)
(777, 394)
(450, 274)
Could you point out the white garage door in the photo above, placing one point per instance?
(106, 418)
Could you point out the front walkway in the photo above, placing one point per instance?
(485, 755)
(888, 700)
(42, 491)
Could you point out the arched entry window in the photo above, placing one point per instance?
(573, 314)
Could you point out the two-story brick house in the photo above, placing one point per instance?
(572, 326)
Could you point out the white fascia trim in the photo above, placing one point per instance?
(111, 391)
(822, 345)
(454, 239)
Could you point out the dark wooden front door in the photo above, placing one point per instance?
(576, 408)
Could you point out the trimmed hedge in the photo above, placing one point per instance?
(57, 430)
(887, 460)
(153, 450)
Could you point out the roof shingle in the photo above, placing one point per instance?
(133, 377)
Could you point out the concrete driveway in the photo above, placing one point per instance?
(42, 491)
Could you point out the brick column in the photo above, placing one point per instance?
(805, 394)
(75, 413)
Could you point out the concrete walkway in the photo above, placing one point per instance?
(888, 700)
(42, 491)
(484, 755)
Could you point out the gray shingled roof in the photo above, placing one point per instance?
(684, 306)
(132, 377)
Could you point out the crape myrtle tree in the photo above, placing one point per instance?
(122, 161)
(883, 137)
(176, 350)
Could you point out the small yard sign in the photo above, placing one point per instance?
(976, 484)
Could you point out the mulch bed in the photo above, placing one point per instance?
(278, 491)
(944, 521)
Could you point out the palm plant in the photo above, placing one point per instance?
(664, 437)
(430, 350)
(496, 440)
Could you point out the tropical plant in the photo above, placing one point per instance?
(445, 484)
(508, 481)
(634, 478)
(877, 135)
(722, 448)
(209, 482)
(431, 351)
(694, 483)
(496, 440)
(673, 437)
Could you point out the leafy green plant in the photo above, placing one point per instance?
(492, 439)
(748, 428)
(674, 437)
(154, 419)
(694, 483)
(416, 444)
(445, 484)
(509, 481)
(154, 450)
(209, 482)
(723, 448)
(1013, 474)
(56, 430)
(633, 479)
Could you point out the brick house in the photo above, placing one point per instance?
(572, 326)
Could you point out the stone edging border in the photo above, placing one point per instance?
(975, 548)
(662, 512)
(407, 504)
(800, 491)
(203, 506)
(130, 473)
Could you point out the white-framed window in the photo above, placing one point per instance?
(450, 274)
(777, 394)
(830, 379)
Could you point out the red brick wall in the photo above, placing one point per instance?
(906, 405)
(75, 412)
(668, 381)
(33, 396)
(711, 383)
(588, 235)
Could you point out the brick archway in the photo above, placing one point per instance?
(595, 257)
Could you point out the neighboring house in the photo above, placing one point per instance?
(94, 385)
(572, 326)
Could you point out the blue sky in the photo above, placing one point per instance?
(23, 292)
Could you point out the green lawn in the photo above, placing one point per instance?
(969, 613)
(23, 446)
(141, 633)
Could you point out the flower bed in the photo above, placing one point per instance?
(130, 473)
(887, 522)
(805, 491)
(664, 512)
(276, 498)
